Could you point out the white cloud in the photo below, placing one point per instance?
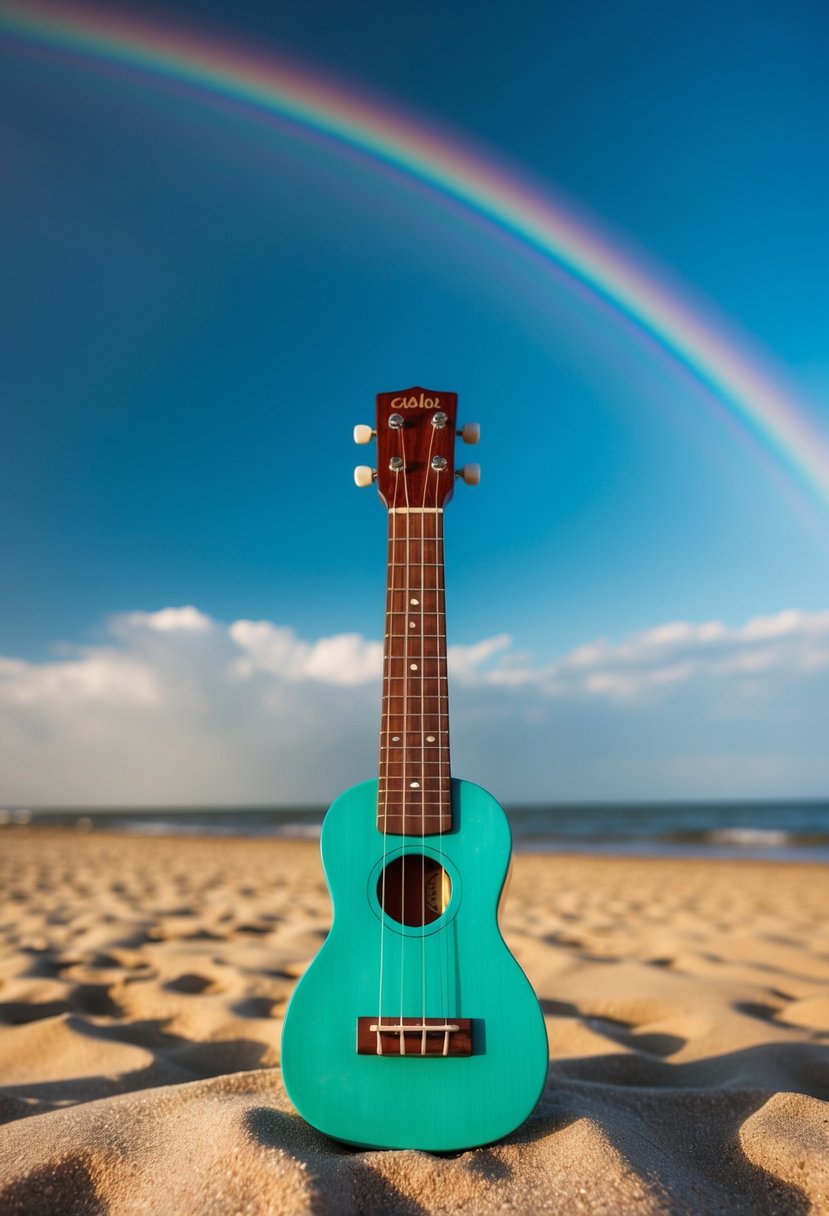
(679, 652)
(469, 663)
(346, 658)
(179, 707)
(187, 619)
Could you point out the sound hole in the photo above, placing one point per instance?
(416, 890)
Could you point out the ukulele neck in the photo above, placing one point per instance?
(414, 787)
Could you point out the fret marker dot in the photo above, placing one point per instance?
(411, 624)
(430, 738)
(414, 602)
(413, 667)
(395, 738)
(414, 785)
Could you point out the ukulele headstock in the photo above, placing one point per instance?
(415, 431)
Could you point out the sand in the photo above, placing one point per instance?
(143, 981)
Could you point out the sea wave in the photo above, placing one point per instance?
(752, 838)
(202, 827)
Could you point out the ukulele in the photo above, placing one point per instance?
(414, 1026)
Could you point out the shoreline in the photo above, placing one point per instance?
(626, 850)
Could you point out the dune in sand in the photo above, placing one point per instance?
(143, 981)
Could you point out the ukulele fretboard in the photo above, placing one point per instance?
(414, 788)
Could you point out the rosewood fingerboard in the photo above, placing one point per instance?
(414, 788)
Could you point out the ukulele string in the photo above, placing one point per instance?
(403, 473)
(423, 781)
(440, 631)
(385, 765)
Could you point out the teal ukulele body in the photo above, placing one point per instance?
(456, 966)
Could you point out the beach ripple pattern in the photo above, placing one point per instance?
(142, 984)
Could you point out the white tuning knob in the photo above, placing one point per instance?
(470, 474)
(364, 476)
(363, 434)
(470, 432)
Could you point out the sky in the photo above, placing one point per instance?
(198, 301)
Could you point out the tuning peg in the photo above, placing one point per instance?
(363, 434)
(470, 474)
(364, 476)
(470, 432)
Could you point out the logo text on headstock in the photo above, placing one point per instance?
(415, 403)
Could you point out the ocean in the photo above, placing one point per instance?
(781, 830)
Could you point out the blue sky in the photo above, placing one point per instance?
(198, 306)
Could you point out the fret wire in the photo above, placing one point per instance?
(413, 677)
(439, 617)
(399, 769)
(390, 697)
(421, 762)
(412, 771)
(402, 782)
(416, 797)
(439, 659)
(422, 766)
(397, 696)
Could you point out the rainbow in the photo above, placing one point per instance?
(746, 391)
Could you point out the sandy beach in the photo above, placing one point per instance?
(143, 982)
